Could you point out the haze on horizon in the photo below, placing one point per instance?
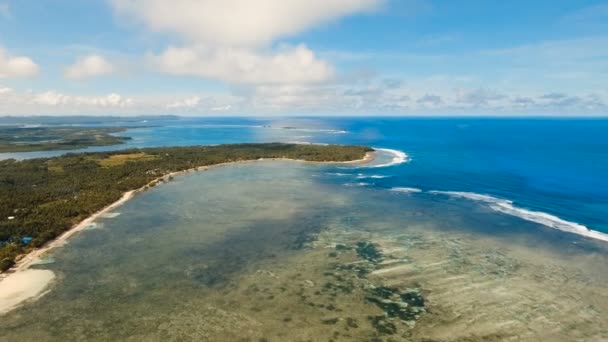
(304, 57)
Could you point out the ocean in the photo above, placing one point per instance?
(460, 229)
(550, 171)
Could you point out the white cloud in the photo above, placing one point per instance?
(231, 40)
(237, 65)
(238, 22)
(377, 96)
(430, 100)
(191, 102)
(16, 66)
(337, 99)
(221, 108)
(88, 67)
(54, 99)
(478, 98)
(51, 102)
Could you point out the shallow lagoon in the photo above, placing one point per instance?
(281, 251)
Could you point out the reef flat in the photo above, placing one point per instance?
(310, 260)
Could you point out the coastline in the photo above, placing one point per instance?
(19, 292)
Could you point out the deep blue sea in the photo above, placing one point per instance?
(549, 171)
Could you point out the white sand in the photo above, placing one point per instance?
(21, 286)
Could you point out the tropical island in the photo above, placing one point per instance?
(27, 139)
(41, 199)
(80, 120)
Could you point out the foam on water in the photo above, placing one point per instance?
(93, 225)
(397, 157)
(224, 126)
(110, 215)
(43, 261)
(507, 207)
(313, 130)
(405, 190)
(357, 184)
(362, 176)
(339, 174)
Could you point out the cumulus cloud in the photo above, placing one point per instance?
(191, 102)
(238, 22)
(428, 99)
(553, 96)
(51, 102)
(560, 101)
(221, 108)
(55, 99)
(89, 67)
(331, 98)
(523, 101)
(16, 66)
(236, 65)
(376, 96)
(231, 40)
(478, 97)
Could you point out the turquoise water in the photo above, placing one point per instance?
(551, 172)
(249, 252)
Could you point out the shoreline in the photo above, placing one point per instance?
(23, 264)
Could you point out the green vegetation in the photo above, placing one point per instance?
(120, 159)
(21, 139)
(42, 198)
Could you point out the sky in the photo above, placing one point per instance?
(304, 57)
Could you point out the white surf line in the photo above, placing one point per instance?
(506, 207)
(399, 157)
(358, 184)
(362, 176)
(405, 190)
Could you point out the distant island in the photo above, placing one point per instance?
(27, 139)
(40, 199)
(80, 120)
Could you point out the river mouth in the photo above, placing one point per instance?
(280, 251)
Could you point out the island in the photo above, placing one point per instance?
(81, 120)
(27, 139)
(42, 199)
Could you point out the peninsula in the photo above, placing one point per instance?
(27, 139)
(41, 199)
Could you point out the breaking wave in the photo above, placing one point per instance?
(357, 184)
(388, 157)
(362, 176)
(405, 189)
(507, 207)
(339, 174)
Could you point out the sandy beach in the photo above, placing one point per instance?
(23, 285)
(20, 283)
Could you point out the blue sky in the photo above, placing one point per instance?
(330, 57)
